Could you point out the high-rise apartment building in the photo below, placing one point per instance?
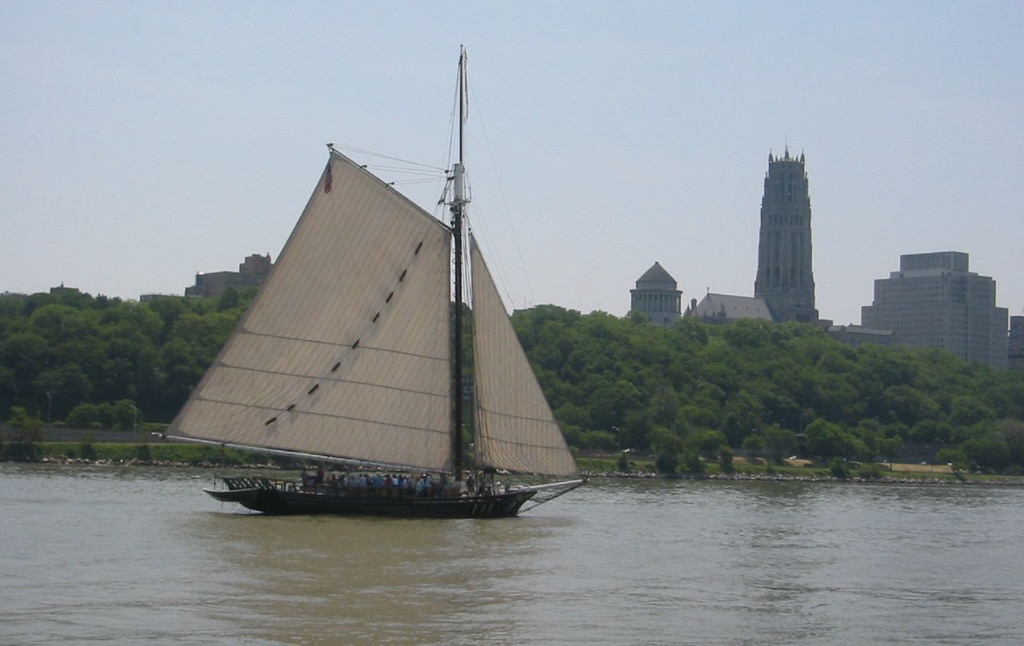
(784, 277)
(935, 301)
(656, 295)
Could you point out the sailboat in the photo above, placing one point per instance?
(351, 355)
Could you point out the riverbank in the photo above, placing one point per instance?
(988, 480)
(207, 457)
(155, 454)
(803, 470)
(135, 462)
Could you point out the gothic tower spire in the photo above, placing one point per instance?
(784, 277)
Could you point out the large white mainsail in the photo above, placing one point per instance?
(345, 352)
(516, 429)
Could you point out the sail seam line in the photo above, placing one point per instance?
(542, 420)
(338, 344)
(369, 384)
(283, 373)
(332, 416)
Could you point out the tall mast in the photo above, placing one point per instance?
(459, 200)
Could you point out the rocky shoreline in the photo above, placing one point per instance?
(137, 462)
(1005, 481)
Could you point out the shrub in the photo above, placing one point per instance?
(694, 465)
(839, 469)
(870, 471)
(85, 448)
(725, 456)
(667, 463)
(956, 457)
(27, 435)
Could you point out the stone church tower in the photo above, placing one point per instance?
(784, 277)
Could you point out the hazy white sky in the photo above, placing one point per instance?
(145, 141)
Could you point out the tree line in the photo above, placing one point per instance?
(696, 389)
(683, 392)
(105, 362)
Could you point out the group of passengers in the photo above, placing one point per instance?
(368, 484)
(424, 486)
(388, 481)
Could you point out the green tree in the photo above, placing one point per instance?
(693, 463)
(839, 469)
(28, 432)
(889, 448)
(610, 403)
(1012, 431)
(779, 442)
(956, 457)
(742, 414)
(707, 442)
(85, 416)
(754, 444)
(230, 299)
(988, 450)
(667, 446)
(86, 447)
(725, 457)
(827, 440)
(968, 410)
(623, 463)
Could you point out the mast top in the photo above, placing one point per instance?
(459, 171)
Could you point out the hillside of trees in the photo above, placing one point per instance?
(98, 361)
(773, 389)
(614, 383)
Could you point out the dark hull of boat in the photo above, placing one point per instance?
(279, 501)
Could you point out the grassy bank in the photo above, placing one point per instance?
(154, 453)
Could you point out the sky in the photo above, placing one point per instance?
(143, 142)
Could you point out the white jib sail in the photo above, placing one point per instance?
(517, 430)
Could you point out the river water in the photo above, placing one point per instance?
(141, 556)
